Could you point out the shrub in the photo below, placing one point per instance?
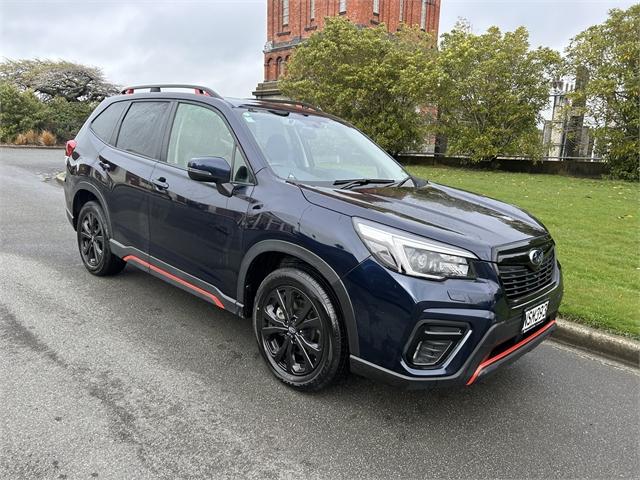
(47, 138)
(64, 118)
(21, 111)
(32, 137)
(29, 137)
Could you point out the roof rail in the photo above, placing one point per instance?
(291, 102)
(199, 90)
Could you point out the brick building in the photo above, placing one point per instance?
(290, 22)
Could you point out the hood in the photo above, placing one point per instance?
(456, 217)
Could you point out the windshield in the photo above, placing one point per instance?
(309, 148)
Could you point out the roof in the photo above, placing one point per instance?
(198, 90)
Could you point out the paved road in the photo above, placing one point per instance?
(128, 377)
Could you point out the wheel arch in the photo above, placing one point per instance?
(280, 248)
(86, 192)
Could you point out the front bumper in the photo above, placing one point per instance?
(479, 364)
(391, 309)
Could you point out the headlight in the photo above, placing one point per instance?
(413, 255)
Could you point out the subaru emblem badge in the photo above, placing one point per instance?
(536, 256)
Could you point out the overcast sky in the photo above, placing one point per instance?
(219, 43)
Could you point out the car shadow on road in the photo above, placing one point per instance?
(227, 345)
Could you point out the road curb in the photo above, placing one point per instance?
(608, 345)
(60, 177)
(35, 147)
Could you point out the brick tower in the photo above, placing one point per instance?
(290, 22)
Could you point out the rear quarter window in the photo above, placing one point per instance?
(142, 128)
(105, 123)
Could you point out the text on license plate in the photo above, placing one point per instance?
(534, 316)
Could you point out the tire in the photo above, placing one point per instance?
(93, 242)
(306, 349)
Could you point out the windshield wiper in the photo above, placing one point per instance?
(348, 183)
(401, 182)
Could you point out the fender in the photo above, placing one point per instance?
(86, 185)
(316, 262)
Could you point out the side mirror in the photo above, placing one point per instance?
(209, 169)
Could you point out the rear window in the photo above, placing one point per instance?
(141, 130)
(105, 123)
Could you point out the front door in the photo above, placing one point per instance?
(195, 229)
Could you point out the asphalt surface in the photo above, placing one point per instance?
(128, 377)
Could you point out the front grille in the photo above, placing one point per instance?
(522, 280)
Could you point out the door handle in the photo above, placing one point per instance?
(160, 183)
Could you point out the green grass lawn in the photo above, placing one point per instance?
(596, 226)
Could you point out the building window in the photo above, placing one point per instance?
(285, 12)
(267, 71)
(279, 67)
(401, 11)
(343, 6)
(423, 15)
(376, 7)
(312, 9)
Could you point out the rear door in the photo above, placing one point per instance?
(195, 229)
(127, 168)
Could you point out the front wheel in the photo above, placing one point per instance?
(298, 331)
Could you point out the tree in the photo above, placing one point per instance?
(609, 54)
(20, 111)
(490, 90)
(375, 80)
(45, 94)
(48, 78)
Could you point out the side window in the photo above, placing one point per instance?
(104, 124)
(198, 132)
(241, 172)
(141, 130)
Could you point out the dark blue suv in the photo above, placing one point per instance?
(276, 211)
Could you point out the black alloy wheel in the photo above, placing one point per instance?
(297, 329)
(93, 241)
(291, 330)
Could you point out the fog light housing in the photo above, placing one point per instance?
(433, 344)
(430, 351)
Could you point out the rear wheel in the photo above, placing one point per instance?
(298, 331)
(93, 242)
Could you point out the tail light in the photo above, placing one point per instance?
(69, 147)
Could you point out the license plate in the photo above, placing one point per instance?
(534, 316)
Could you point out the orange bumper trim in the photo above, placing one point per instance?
(179, 280)
(508, 351)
